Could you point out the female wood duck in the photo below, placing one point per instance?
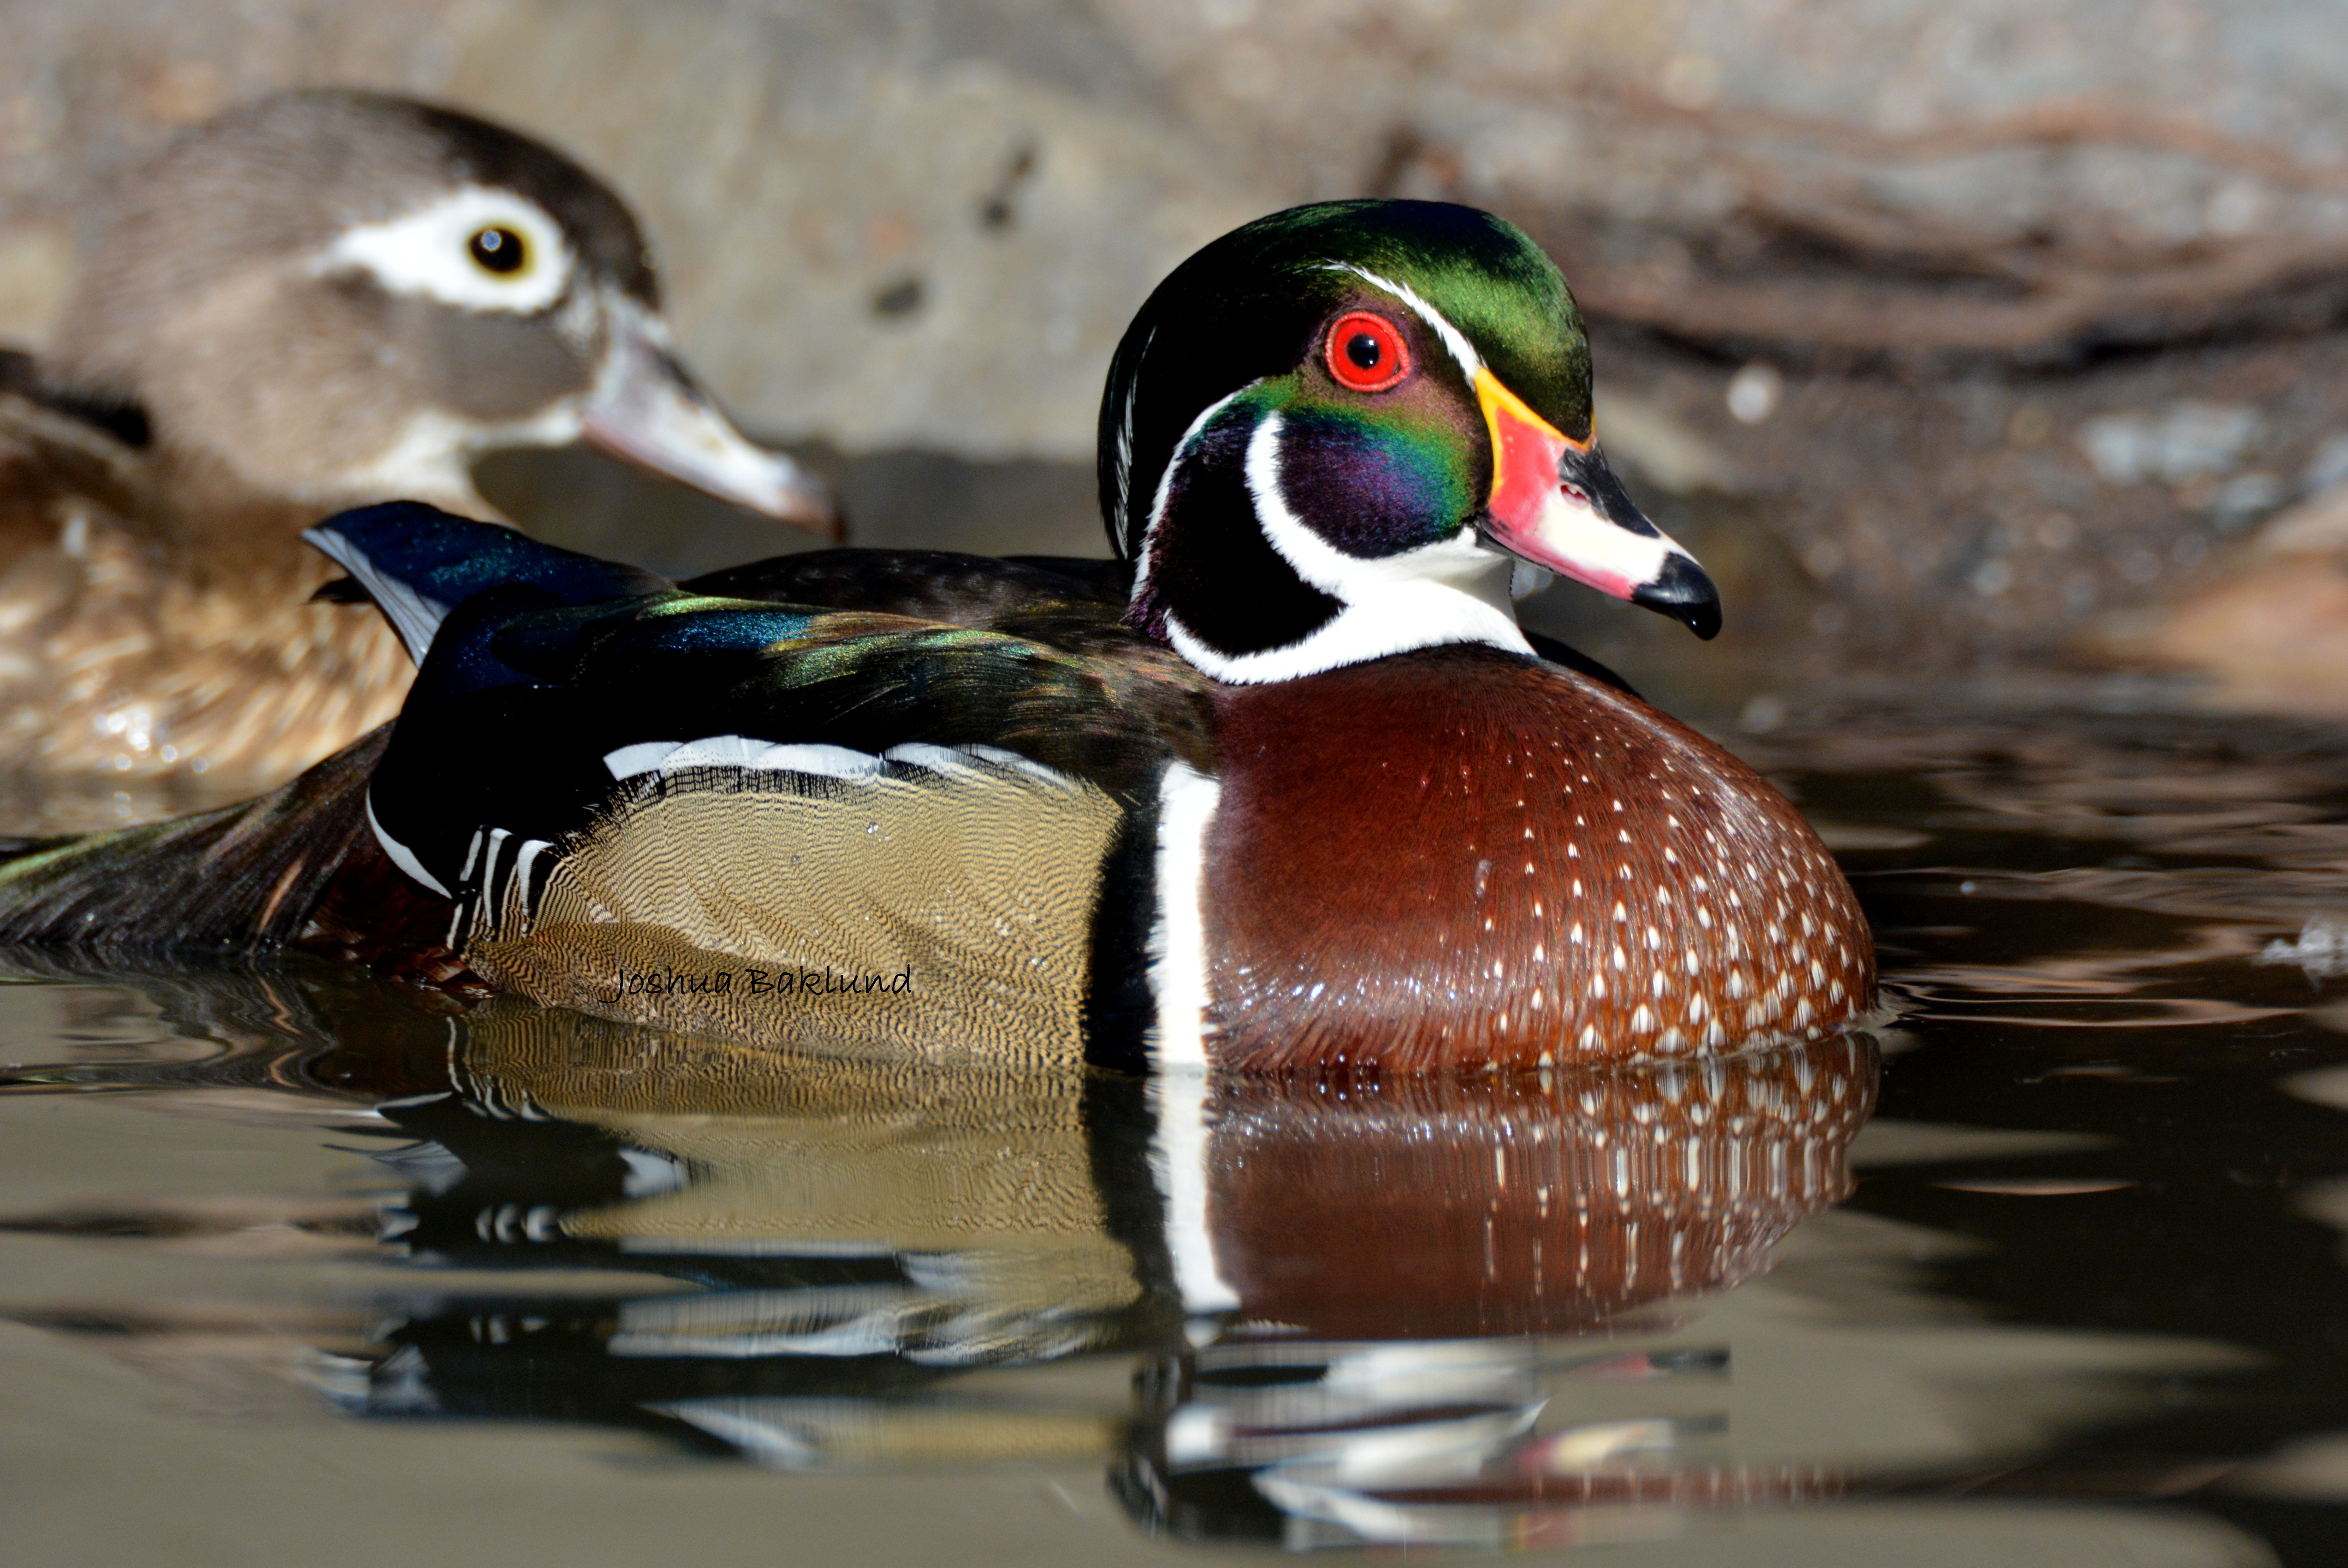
(1309, 801)
(320, 300)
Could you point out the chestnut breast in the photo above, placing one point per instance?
(1459, 857)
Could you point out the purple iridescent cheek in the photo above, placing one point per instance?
(1370, 488)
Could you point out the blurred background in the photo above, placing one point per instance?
(1983, 349)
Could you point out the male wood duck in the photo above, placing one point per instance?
(319, 300)
(1308, 800)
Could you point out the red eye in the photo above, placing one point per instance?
(1366, 352)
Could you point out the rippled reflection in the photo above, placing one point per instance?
(1359, 1308)
(2088, 1251)
(1418, 1272)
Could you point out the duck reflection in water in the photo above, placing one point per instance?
(1365, 1310)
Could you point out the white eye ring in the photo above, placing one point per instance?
(429, 252)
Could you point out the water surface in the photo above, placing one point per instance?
(296, 1267)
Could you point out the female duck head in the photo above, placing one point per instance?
(1334, 433)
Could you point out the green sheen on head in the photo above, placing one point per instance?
(1250, 306)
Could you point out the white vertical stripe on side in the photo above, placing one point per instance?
(1178, 1088)
(1178, 944)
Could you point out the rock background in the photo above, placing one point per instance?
(1960, 339)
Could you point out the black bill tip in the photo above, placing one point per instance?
(1683, 592)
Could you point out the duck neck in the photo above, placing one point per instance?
(1234, 579)
(217, 521)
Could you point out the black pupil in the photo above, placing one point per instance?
(1364, 350)
(499, 250)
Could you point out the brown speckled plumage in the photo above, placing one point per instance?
(154, 620)
(1459, 857)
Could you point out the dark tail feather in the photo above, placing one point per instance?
(242, 877)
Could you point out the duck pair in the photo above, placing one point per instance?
(320, 300)
(1286, 789)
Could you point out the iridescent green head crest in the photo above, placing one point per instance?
(1250, 306)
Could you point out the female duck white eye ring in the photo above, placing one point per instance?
(1367, 353)
(444, 251)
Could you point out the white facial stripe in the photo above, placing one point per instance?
(1463, 351)
(427, 253)
(1454, 591)
(1124, 436)
(1166, 480)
